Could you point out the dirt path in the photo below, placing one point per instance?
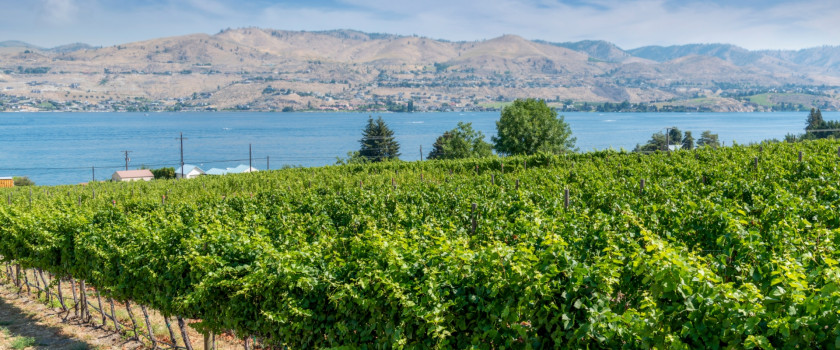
(26, 324)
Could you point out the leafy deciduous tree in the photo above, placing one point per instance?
(708, 139)
(461, 142)
(530, 126)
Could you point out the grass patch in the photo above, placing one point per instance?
(20, 343)
(761, 100)
(160, 330)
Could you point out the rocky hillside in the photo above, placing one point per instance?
(265, 69)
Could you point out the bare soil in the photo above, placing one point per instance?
(27, 324)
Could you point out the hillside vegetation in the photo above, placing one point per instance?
(707, 248)
(271, 70)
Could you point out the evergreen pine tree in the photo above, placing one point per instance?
(688, 141)
(815, 119)
(378, 143)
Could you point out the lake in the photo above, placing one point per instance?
(61, 148)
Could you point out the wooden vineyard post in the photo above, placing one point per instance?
(61, 297)
(524, 165)
(26, 283)
(131, 317)
(566, 199)
(83, 299)
(37, 282)
(800, 156)
(18, 279)
(171, 332)
(393, 183)
(642, 187)
(492, 179)
(75, 298)
(476, 169)
(474, 222)
(450, 169)
(517, 184)
(114, 316)
(149, 326)
(183, 326)
(46, 286)
(101, 309)
(209, 341)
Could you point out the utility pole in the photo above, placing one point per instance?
(126, 158)
(92, 174)
(668, 137)
(267, 163)
(250, 159)
(182, 155)
(421, 153)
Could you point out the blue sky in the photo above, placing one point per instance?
(753, 24)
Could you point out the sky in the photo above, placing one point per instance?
(752, 24)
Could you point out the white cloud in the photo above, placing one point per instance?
(60, 11)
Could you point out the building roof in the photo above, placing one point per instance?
(215, 171)
(6, 178)
(188, 168)
(242, 168)
(133, 174)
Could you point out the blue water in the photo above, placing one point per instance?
(61, 148)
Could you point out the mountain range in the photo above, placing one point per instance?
(266, 69)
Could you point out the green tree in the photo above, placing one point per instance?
(378, 143)
(461, 142)
(818, 128)
(708, 139)
(815, 119)
(530, 126)
(23, 181)
(660, 141)
(164, 173)
(688, 141)
(656, 143)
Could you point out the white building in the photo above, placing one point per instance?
(190, 172)
(237, 170)
(133, 175)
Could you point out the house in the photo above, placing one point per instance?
(215, 171)
(133, 175)
(7, 182)
(242, 168)
(190, 172)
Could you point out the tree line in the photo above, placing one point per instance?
(527, 126)
(530, 126)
